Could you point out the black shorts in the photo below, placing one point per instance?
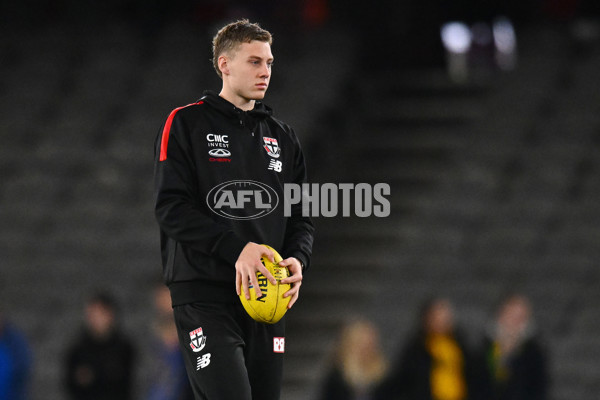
(228, 355)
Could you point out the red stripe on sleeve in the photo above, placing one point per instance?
(164, 142)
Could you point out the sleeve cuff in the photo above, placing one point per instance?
(300, 257)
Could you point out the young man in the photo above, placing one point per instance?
(229, 145)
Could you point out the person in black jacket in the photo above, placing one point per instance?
(100, 363)
(435, 364)
(221, 166)
(516, 359)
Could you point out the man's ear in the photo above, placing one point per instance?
(223, 66)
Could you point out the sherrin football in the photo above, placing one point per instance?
(271, 306)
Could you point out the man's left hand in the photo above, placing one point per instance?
(295, 279)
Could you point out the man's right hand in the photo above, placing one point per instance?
(248, 264)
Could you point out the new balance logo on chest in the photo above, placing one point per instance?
(275, 165)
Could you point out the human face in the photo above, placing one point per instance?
(246, 73)
(100, 319)
(515, 315)
(440, 318)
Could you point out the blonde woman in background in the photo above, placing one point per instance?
(358, 364)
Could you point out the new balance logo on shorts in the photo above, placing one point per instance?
(278, 345)
(202, 361)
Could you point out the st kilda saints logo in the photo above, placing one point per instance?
(242, 199)
(198, 340)
(272, 147)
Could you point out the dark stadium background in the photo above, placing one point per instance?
(495, 175)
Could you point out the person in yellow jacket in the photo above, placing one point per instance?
(435, 363)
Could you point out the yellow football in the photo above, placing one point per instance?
(271, 306)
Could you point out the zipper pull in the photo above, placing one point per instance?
(252, 133)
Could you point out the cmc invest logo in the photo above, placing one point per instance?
(242, 199)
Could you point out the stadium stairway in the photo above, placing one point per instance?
(402, 131)
(494, 189)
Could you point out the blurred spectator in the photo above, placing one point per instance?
(358, 365)
(435, 364)
(169, 379)
(99, 364)
(15, 362)
(515, 358)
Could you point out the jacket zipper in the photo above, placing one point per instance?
(242, 122)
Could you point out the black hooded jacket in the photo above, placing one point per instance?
(205, 155)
